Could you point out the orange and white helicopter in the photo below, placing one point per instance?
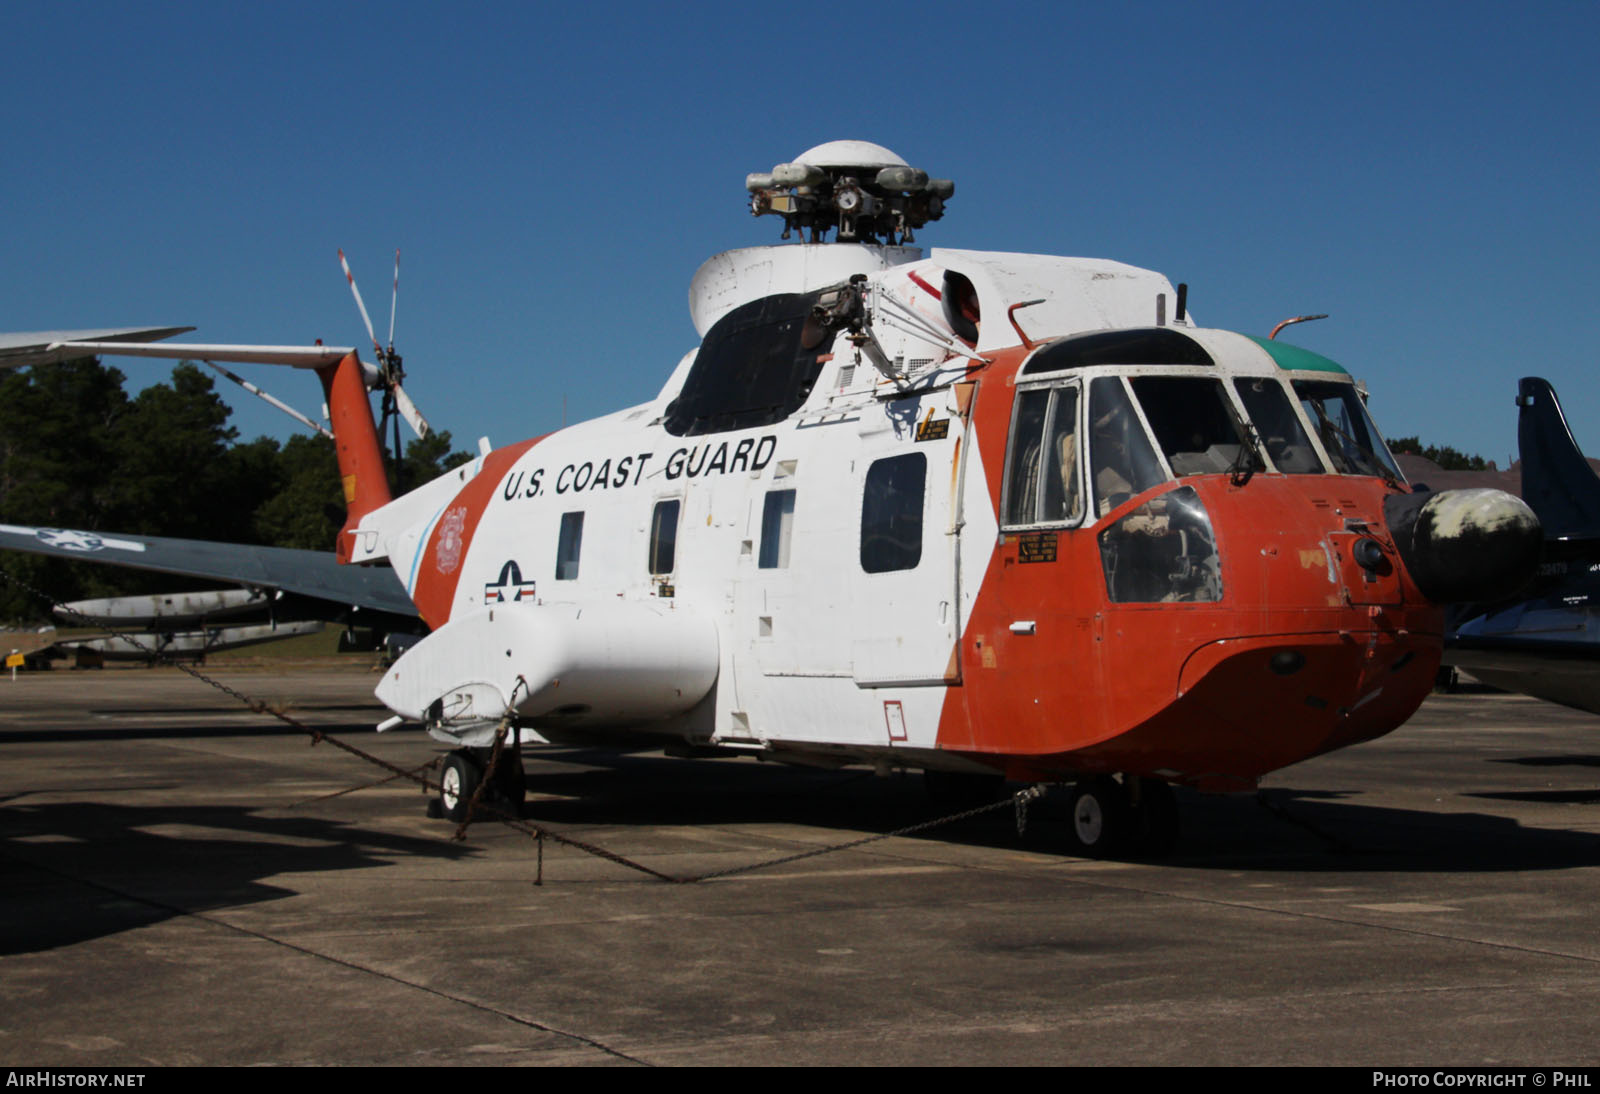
(975, 513)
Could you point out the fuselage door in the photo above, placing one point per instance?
(905, 593)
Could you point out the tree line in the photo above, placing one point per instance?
(1448, 458)
(76, 451)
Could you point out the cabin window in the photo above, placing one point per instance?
(1195, 425)
(1275, 420)
(891, 513)
(569, 546)
(1121, 460)
(777, 525)
(1348, 435)
(1042, 480)
(664, 536)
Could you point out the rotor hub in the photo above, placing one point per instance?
(861, 190)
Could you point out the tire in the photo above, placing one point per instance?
(1099, 820)
(458, 781)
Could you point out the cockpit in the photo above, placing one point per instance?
(1102, 418)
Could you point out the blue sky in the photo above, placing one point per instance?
(1427, 173)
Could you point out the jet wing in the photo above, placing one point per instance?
(311, 584)
(41, 347)
(18, 350)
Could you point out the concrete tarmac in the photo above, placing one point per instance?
(184, 883)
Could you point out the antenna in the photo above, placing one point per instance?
(1296, 319)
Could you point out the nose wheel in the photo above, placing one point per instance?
(465, 768)
(1136, 816)
(458, 781)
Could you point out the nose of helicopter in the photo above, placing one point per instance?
(1466, 545)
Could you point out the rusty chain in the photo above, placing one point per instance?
(539, 833)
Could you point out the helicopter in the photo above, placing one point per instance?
(991, 516)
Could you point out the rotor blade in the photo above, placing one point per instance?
(409, 411)
(350, 277)
(395, 299)
(280, 404)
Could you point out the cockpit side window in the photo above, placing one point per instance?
(1042, 481)
(1122, 462)
(1275, 420)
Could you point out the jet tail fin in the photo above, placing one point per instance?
(1557, 482)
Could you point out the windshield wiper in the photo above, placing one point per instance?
(1374, 465)
(1251, 457)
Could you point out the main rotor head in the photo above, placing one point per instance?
(865, 191)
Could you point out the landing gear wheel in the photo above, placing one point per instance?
(1154, 812)
(457, 783)
(1099, 816)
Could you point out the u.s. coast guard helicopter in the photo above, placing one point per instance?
(974, 513)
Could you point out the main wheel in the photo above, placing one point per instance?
(457, 783)
(1099, 816)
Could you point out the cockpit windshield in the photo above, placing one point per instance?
(1341, 422)
(1278, 426)
(1195, 425)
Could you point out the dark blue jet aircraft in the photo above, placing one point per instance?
(1546, 644)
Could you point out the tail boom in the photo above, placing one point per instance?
(361, 469)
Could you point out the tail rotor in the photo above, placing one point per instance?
(396, 403)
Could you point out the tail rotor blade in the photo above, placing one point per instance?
(408, 411)
(395, 400)
(348, 276)
(395, 299)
